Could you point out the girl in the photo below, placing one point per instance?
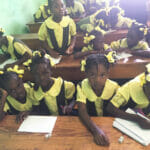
(14, 94)
(57, 33)
(94, 93)
(133, 41)
(43, 13)
(14, 49)
(54, 94)
(75, 9)
(94, 44)
(133, 94)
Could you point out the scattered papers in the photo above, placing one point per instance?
(133, 130)
(38, 124)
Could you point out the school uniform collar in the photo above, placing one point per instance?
(50, 23)
(90, 94)
(54, 90)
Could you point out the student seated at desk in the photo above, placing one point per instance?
(133, 41)
(94, 44)
(116, 19)
(14, 95)
(58, 33)
(100, 18)
(14, 49)
(75, 9)
(53, 94)
(133, 94)
(43, 13)
(94, 93)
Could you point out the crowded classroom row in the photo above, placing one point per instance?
(96, 94)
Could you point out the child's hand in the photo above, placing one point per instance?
(66, 109)
(100, 138)
(21, 116)
(4, 92)
(69, 50)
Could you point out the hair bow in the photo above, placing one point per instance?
(83, 63)
(111, 56)
(87, 38)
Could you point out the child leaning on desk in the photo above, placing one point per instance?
(94, 43)
(14, 95)
(94, 93)
(58, 33)
(14, 49)
(52, 95)
(134, 42)
(133, 94)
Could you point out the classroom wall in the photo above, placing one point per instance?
(15, 14)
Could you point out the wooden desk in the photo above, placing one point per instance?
(34, 27)
(31, 39)
(68, 134)
(69, 68)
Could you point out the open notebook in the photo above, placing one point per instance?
(38, 124)
(133, 130)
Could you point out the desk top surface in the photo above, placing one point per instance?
(68, 134)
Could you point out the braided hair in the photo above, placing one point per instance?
(95, 60)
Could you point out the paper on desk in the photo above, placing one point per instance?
(9, 61)
(38, 124)
(133, 130)
(53, 60)
(123, 55)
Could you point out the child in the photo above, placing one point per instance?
(94, 93)
(75, 9)
(14, 49)
(100, 18)
(95, 44)
(43, 13)
(57, 33)
(117, 20)
(14, 94)
(51, 93)
(133, 94)
(133, 41)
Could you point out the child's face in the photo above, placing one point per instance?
(132, 38)
(113, 19)
(58, 8)
(97, 76)
(43, 74)
(15, 88)
(98, 43)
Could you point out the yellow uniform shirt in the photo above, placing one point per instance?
(66, 21)
(15, 48)
(43, 12)
(131, 95)
(51, 95)
(16, 104)
(85, 93)
(76, 11)
(115, 45)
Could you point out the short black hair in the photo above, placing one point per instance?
(136, 28)
(101, 15)
(38, 59)
(5, 78)
(95, 60)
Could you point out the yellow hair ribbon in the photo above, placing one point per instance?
(83, 63)
(16, 70)
(28, 62)
(37, 53)
(145, 30)
(1, 72)
(111, 56)
(87, 38)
